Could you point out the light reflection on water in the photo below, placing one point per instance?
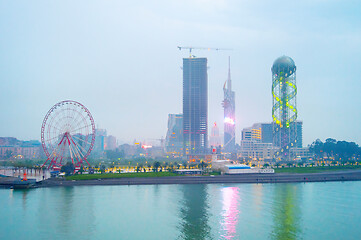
(219, 211)
(286, 212)
(230, 212)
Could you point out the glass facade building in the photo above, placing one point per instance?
(229, 115)
(195, 106)
(174, 138)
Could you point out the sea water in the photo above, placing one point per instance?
(326, 210)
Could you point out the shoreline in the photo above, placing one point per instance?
(350, 175)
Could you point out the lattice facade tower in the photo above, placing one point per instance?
(229, 114)
(195, 106)
(284, 110)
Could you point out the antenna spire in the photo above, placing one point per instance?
(229, 83)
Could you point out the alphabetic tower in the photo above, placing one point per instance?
(284, 110)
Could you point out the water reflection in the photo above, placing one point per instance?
(66, 209)
(230, 211)
(286, 212)
(194, 213)
(15, 193)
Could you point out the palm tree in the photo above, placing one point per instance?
(203, 165)
(156, 165)
(81, 170)
(102, 169)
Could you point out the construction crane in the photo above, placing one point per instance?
(201, 48)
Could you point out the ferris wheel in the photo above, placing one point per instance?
(67, 134)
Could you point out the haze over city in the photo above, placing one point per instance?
(120, 59)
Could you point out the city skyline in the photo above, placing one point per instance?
(100, 55)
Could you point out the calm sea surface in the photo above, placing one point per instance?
(217, 211)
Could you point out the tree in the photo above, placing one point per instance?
(156, 165)
(102, 169)
(171, 167)
(340, 150)
(203, 165)
(329, 147)
(317, 148)
(68, 168)
(81, 170)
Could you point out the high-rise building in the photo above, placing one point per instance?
(259, 132)
(257, 141)
(284, 110)
(100, 143)
(195, 105)
(111, 143)
(299, 135)
(215, 139)
(229, 114)
(267, 132)
(174, 138)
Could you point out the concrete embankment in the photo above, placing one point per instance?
(242, 178)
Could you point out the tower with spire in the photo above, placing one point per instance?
(229, 107)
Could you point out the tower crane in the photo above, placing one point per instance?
(201, 48)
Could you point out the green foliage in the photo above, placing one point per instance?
(156, 166)
(340, 150)
(102, 169)
(68, 168)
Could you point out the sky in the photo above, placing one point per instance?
(120, 59)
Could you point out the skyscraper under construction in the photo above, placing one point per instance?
(195, 105)
(229, 114)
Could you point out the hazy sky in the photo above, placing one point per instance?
(120, 59)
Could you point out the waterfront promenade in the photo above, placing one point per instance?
(350, 175)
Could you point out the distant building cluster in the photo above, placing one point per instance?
(103, 142)
(280, 139)
(258, 141)
(187, 134)
(12, 148)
